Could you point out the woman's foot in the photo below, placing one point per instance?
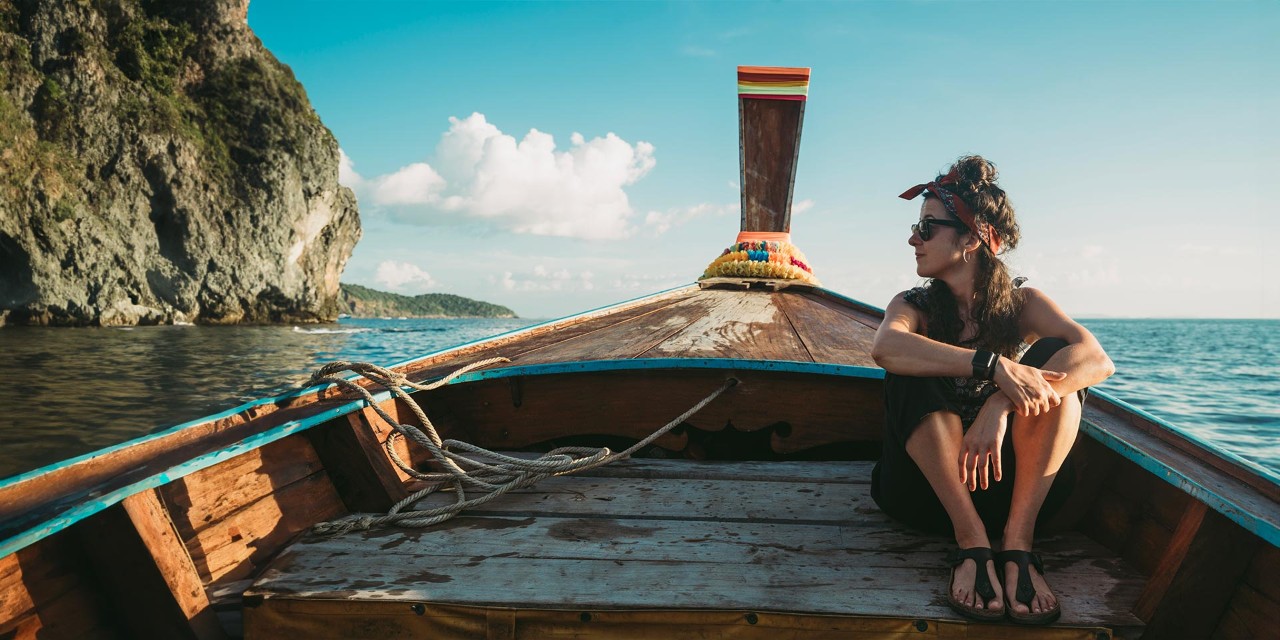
(969, 595)
(1028, 594)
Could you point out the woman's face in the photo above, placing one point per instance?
(944, 249)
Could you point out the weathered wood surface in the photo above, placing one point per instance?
(793, 324)
(817, 409)
(721, 537)
(235, 515)
(150, 520)
(828, 331)
(769, 136)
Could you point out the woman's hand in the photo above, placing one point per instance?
(980, 448)
(1027, 388)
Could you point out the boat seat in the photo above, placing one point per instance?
(668, 548)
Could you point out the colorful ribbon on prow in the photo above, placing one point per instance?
(773, 83)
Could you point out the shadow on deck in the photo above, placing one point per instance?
(657, 548)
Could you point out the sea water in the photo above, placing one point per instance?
(65, 392)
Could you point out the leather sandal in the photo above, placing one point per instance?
(981, 584)
(1025, 592)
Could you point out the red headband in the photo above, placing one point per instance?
(957, 208)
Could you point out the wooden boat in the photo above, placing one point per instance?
(751, 519)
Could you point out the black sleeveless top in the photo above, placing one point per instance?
(969, 393)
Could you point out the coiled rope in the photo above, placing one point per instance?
(466, 467)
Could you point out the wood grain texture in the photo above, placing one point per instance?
(234, 547)
(818, 409)
(208, 496)
(769, 133)
(828, 332)
(735, 542)
(157, 532)
(737, 324)
(628, 338)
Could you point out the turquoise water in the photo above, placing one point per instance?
(71, 391)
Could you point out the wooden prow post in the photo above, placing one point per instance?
(770, 113)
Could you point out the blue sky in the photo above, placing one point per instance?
(555, 157)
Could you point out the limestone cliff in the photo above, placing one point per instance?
(158, 164)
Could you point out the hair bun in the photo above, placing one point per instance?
(975, 172)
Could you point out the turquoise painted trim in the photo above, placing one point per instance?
(592, 366)
(91, 507)
(841, 296)
(1269, 531)
(22, 477)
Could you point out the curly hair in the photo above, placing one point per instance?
(997, 302)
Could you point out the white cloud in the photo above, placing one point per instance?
(398, 276)
(524, 186)
(660, 222)
(540, 278)
(650, 281)
(347, 175)
(417, 183)
(801, 207)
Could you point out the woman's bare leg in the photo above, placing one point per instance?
(935, 448)
(1040, 443)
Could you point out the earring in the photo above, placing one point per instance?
(966, 257)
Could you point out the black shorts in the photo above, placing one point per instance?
(901, 489)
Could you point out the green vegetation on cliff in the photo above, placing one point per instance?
(158, 164)
(363, 302)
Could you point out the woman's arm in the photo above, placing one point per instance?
(1083, 359)
(899, 349)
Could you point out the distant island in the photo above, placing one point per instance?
(363, 302)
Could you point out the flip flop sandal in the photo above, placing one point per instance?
(1025, 592)
(981, 583)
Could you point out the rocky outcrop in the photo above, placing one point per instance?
(158, 164)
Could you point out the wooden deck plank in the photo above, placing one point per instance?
(850, 583)
(716, 536)
(828, 333)
(736, 325)
(660, 498)
(820, 472)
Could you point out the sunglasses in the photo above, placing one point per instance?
(925, 227)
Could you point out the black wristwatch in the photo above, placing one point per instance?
(984, 364)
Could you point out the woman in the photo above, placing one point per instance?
(955, 387)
